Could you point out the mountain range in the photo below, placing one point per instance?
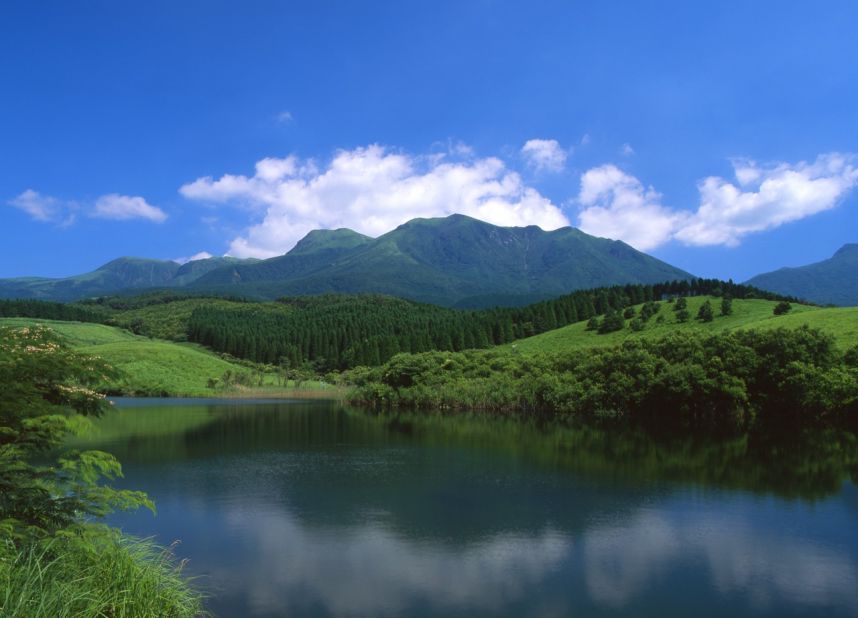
(451, 261)
(833, 281)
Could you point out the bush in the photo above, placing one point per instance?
(726, 306)
(781, 308)
(705, 313)
(613, 321)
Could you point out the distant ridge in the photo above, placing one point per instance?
(830, 282)
(125, 273)
(447, 261)
(451, 261)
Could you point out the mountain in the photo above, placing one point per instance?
(125, 273)
(454, 260)
(451, 261)
(833, 281)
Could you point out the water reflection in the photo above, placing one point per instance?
(315, 510)
(624, 560)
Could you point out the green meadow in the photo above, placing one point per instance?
(155, 367)
(756, 314)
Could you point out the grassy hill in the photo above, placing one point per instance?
(149, 366)
(757, 314)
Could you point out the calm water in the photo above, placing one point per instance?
(310, 509)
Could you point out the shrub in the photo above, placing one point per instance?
(781, 308)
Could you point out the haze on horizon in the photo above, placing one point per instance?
(720, 139)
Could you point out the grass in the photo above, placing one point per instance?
(106, 576)
(841, 322)
(161, 368)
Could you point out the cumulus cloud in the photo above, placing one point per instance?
(763, 197)
(617, 205)
(766, 197)
(39, 207)
(371, 190)
(124, 207)
(544, 155)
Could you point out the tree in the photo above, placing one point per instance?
(593, 323)
(612, 321)
(705, 313)
(726, 306)
(45, 385)
(781, 308)
(680, 304)
(682, 315)
(629, 313)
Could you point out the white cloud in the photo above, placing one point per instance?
(616, 205)
(371, 190)
(767, 197)
(123, 207)
(626, 150)
(202, 255)
(544, 155)
(39, 207)
(284, 117)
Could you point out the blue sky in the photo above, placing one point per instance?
(719, 138)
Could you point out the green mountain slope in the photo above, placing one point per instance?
(316, 251)
(446, 261)
(125, 273)
(452, 261)
(833, 281)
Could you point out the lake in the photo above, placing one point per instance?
(309, 508)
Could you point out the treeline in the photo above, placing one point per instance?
(47, 310)
(743, 379)
(335, 332)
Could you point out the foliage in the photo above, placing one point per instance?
(726, 306)
(705, 313)
(44, 384)
(52, 561)
(782, 308)
(727, 380)
(613, 321)
(338, 332)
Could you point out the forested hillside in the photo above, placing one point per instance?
(333, 332)
(340, 331)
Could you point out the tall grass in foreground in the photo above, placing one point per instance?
(110, 576)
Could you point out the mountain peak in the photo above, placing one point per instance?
(319, 240)
(849, 249)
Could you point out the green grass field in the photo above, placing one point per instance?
(841, 322)
(150, 366)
